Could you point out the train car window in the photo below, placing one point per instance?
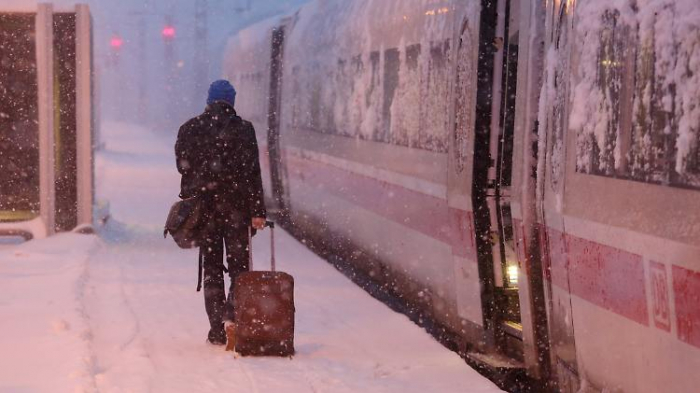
(357, 64)
(405, 119)
(666, 134)
(433, 132)
(641, 130)
(378, 96)
(19, 131)
(412, 56)
(315, 90)
(374, 81)
(392, 63)
(356, 109)
(464, 86)
(329, 96)
(648, 148)
(690, 174)
(342, 93)
(601, 142)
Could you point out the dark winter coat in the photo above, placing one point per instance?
(217, 155)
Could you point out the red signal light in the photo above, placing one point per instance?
(116, 42)
(168, 32)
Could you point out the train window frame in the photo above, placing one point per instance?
(437, 75)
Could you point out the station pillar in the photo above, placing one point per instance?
(46, 105)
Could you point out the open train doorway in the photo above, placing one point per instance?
(499, 195)
(493, 171)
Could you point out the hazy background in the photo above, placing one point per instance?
(175, 79)
(148, 80)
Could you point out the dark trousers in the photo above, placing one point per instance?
(235, 239)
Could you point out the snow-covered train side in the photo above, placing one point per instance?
(619, 126)
(523, 171)
(46, 120)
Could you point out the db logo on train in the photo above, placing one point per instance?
(659, 292)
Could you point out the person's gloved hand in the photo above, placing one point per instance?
(258, 222)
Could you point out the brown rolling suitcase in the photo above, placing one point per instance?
(264, 309)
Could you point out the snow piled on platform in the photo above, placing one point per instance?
(119, 313)
(44, 329)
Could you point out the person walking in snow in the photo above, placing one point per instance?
(217, 156)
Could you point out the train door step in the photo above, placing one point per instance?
(509, 374)
(495, 362)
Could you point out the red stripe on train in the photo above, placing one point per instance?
(686, 288)
(422, 213)
(606, 276)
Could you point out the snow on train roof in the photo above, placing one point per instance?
(246, 48)
(391, 21)
(369, 25)
(252, 35)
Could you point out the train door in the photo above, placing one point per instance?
(512, 293)
(550, 193)
(491, 179)
(459, 194)
(498, 196)
(277, 168)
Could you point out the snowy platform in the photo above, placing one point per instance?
(119, 313)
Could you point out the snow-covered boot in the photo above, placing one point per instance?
(217, 337)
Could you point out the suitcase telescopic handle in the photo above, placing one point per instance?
(271, 225)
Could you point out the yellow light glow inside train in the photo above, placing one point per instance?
(569, 5)
(512, 274)
(438, 11)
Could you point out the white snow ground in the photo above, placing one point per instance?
(119, 313)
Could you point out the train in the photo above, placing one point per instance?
(526, 173)
(47, 120)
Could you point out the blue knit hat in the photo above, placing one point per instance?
(221, 90)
